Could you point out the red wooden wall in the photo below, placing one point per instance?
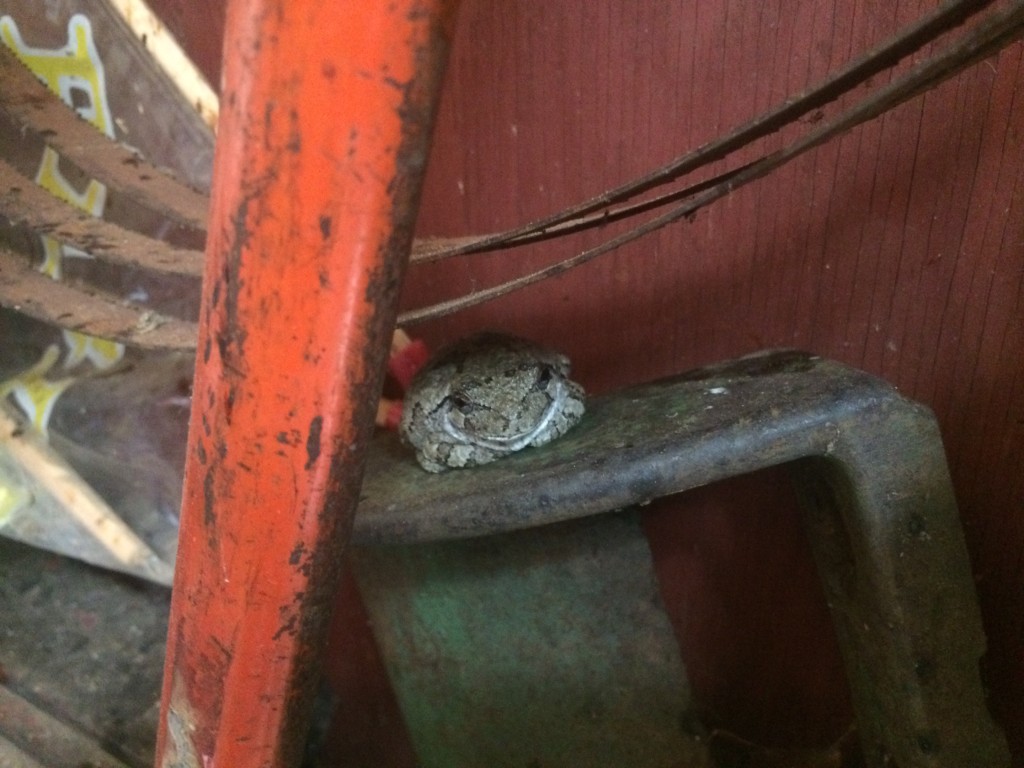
(898, 249)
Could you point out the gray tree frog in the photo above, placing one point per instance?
(485, 397)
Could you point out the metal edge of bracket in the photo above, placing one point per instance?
(880, 513)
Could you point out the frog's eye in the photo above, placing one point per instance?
(544, 377)
(459, 402)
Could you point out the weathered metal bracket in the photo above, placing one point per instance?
(547, 646)
(880, 512)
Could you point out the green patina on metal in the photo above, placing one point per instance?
(512, 606)
(546, 647)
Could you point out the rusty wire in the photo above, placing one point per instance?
(990, 36)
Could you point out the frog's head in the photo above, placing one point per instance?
(504, 410)
(485, 397)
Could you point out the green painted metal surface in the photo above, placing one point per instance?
(545, 647)
(506, 625)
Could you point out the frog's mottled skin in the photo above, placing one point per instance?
(485, 397)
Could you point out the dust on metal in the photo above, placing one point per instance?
(880, 513)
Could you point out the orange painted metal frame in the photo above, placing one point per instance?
(325, 122)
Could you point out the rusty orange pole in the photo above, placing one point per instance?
(325, 122)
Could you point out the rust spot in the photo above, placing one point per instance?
(209, 510)
(313, 441)
(268, 120)
(288, 628)
(329, 70)
(222, 345)
(294, 143)
(233, 334)
(325, 227)
(229, 405)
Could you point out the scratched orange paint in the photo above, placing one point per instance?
(325, 119)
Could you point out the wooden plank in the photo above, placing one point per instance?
(61, 512)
